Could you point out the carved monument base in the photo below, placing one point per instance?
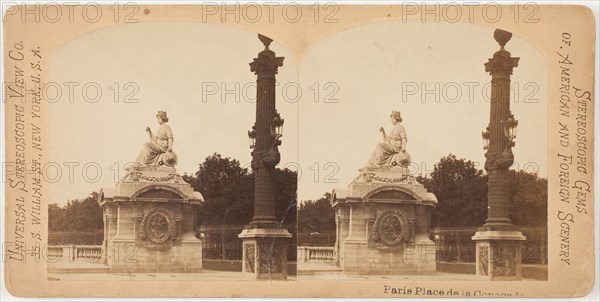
(382, 224)
(149, 223)
(265, 252)
(498, 256)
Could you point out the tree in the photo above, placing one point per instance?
(528, 199)
(316, 222)
(228, 191)
(78, 222)
(461, 190)
(84, 214)
(56, 217)
(77, 215)
(316, 215)
(286, 185)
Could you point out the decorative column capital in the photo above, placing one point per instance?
(501, 63)
(266, 65)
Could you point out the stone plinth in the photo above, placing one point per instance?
(149, 223)
(382, 224)
(498, 254)
(265, 252)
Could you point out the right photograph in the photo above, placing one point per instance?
(423, 150)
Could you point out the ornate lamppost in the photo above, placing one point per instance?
(498, 240)
(264, 241)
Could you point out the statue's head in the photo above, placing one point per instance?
(162, 115)
(396, 116)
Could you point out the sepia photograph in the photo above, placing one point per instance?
(179, 162)
(296, 150)
(433, 195)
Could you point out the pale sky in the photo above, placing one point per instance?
(169, 62)
(359, 71)
(370, 63)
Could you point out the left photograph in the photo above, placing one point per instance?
(175, 155)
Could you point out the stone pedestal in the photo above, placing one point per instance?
(265, 253)
(382, 224)
(499, 254)
(149, 223)
(498, 240)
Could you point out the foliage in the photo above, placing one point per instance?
(286, 185)
(316, 216)
(528, 199)
(76, 237)
(461, 190)
(228, 191)
(316, 222)
(76, 215)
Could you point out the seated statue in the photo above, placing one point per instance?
(159, 151)
(392, 152)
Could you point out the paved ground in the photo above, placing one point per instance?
(82, 270)
(206, 275)
(328, 271)
(440, 276)
(64, 264)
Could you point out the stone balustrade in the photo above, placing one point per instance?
(316, 254)
(75, 252)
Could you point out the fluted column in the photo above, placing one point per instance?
(499, 155)
(264, 241)
(498, 240)
(264, 158)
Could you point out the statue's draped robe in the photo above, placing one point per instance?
(151, 153)
(385, 154)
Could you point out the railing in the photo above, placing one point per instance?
(316, 254)
(74, 252)
(55, 252)
(88, 252)
(222, 243)
(456, 245)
